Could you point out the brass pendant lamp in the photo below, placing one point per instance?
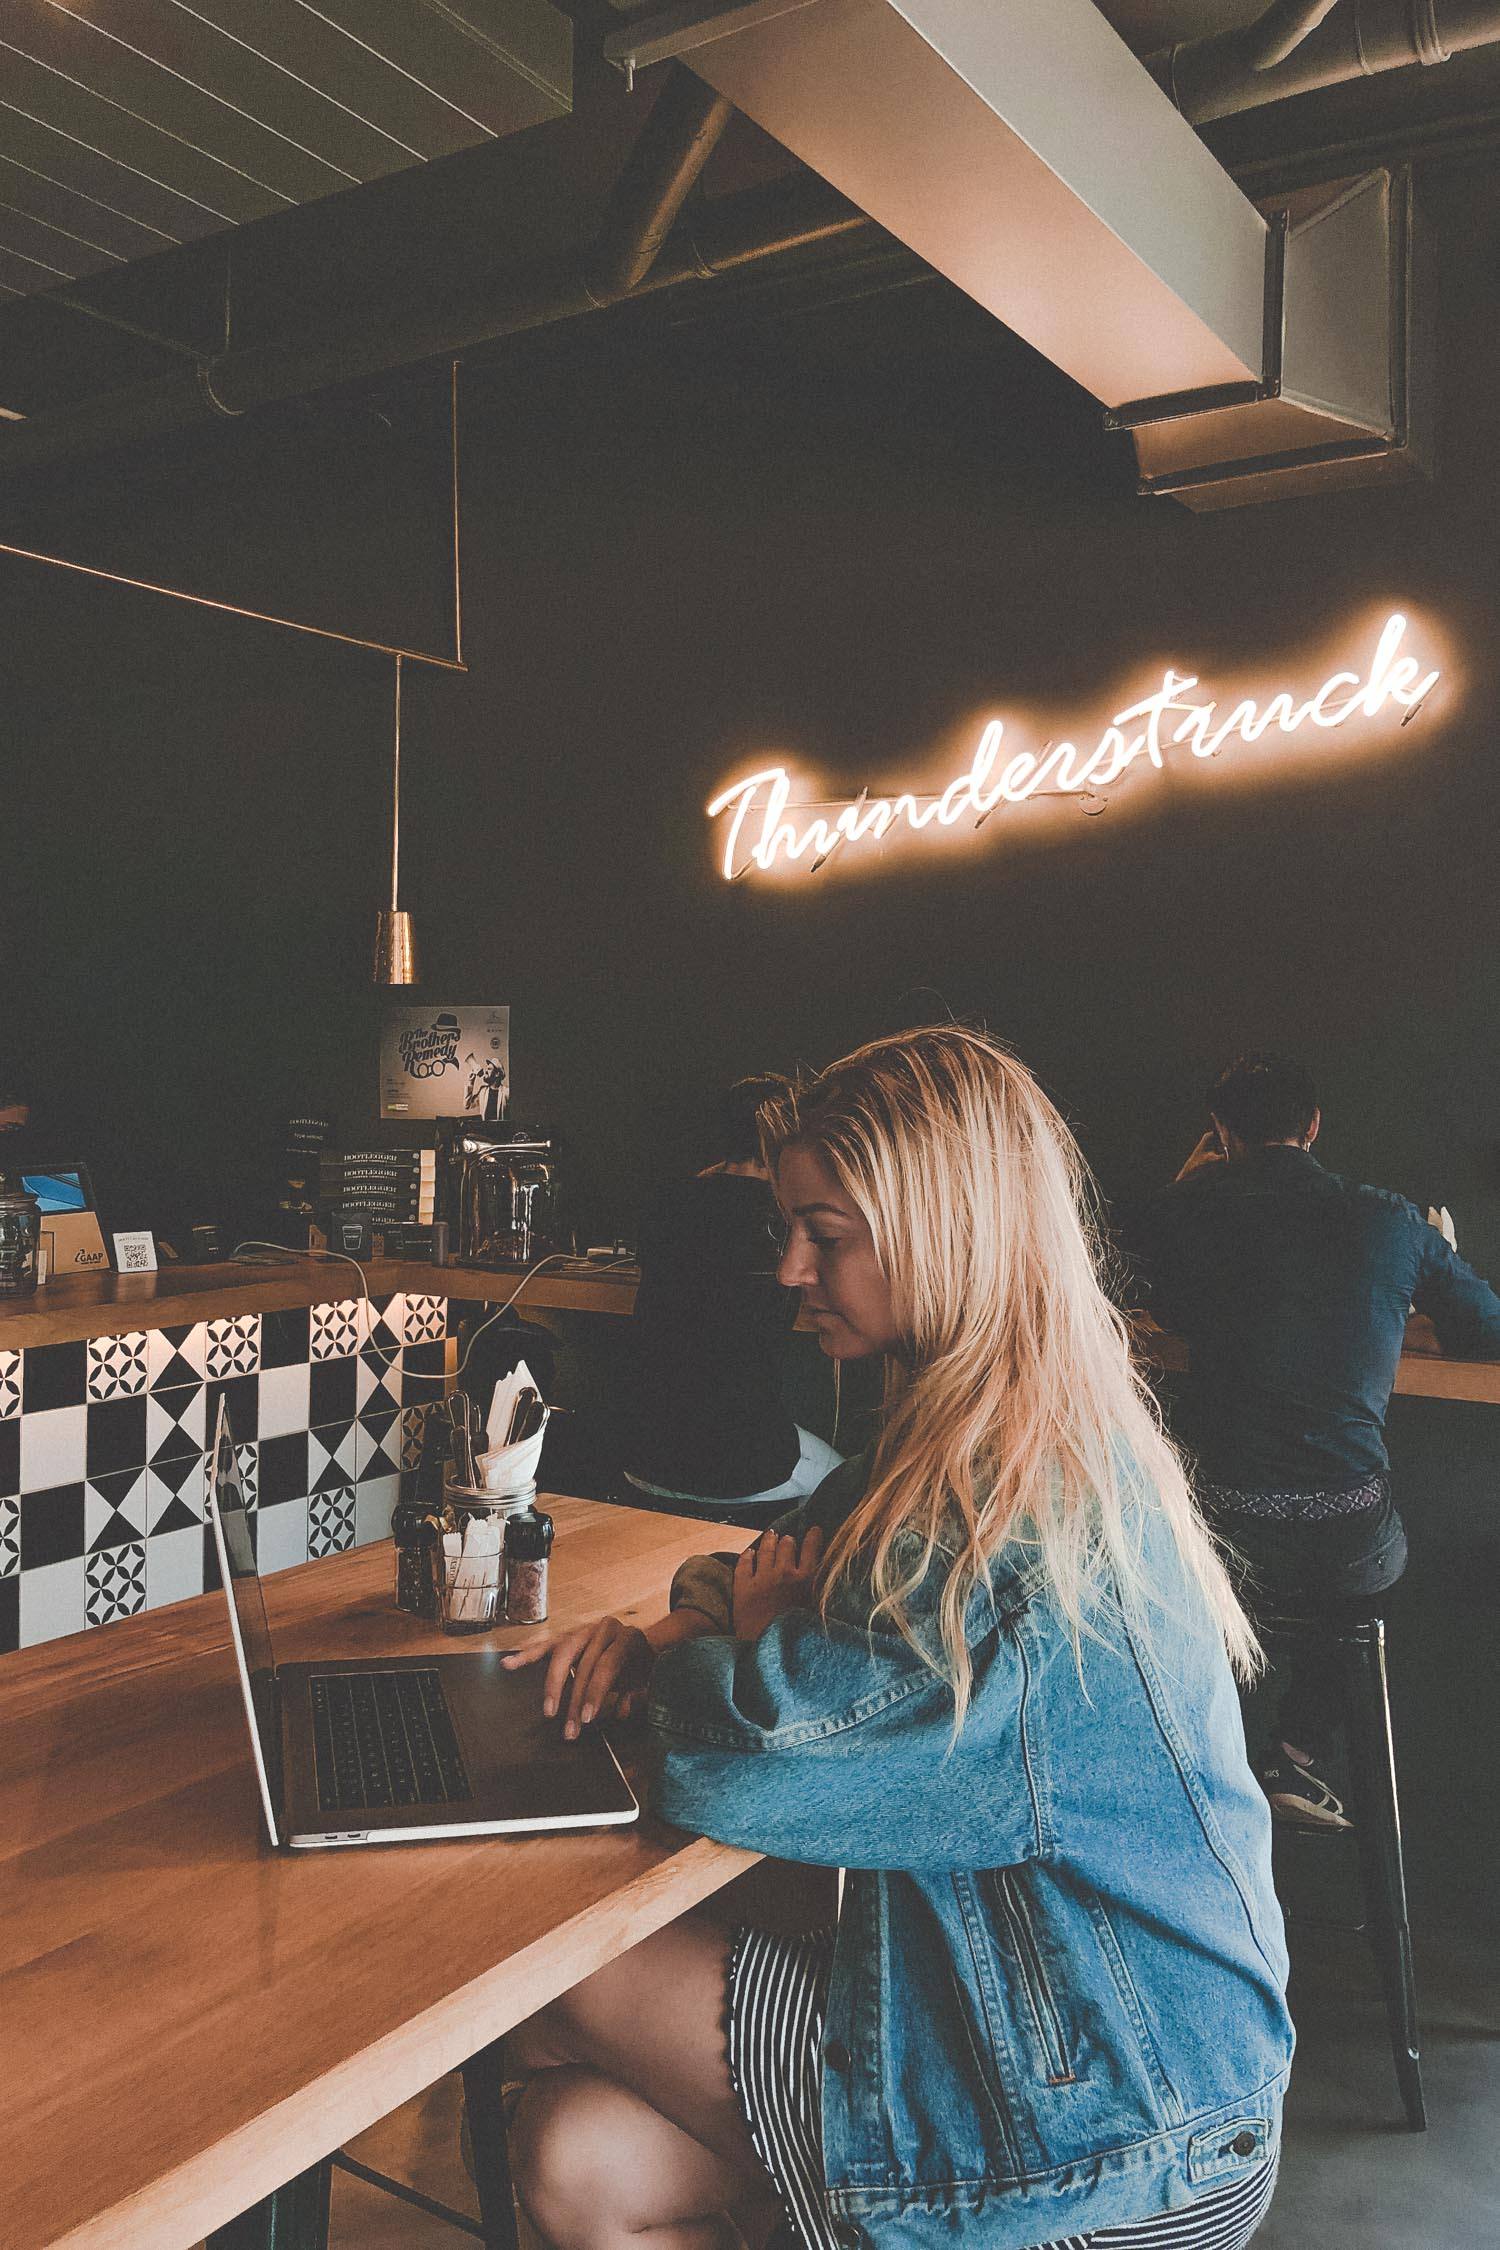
(395, 943)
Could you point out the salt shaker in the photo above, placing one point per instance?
(528, 1548)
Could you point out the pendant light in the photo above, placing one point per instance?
(395, 946)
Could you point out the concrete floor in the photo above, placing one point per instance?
(1352, 2177)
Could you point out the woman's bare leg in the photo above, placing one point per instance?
(630, 2128)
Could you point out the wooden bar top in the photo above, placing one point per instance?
(107, 1304)
(73, 1306)
(190, 2018)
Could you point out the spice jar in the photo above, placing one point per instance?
(528, 1549)
(20, 1231)
(413, 1574)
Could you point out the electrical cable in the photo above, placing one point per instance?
(281, 1254)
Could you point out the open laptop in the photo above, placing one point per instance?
(399, 1749)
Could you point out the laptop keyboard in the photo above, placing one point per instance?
(384, 1738)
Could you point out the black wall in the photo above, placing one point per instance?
(844, 536)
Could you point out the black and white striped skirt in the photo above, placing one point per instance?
(777, 1993)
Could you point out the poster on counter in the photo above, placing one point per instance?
(445, 1062)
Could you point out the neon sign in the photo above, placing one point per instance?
(763, 827)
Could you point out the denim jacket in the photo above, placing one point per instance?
(1057, 1991)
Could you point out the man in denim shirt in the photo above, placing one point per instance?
(1292, 1287)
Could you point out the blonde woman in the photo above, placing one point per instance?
(988, 1669)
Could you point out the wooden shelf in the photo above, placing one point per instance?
(75, 1306)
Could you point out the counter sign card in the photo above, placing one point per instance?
(445, 1062)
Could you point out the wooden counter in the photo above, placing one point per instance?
(191, 2019)
(74, 1306)
(106, 1304)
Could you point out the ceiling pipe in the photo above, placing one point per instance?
(1282, 29)
(675, 143)
(1227, 73)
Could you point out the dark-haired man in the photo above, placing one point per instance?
(1292, 1287)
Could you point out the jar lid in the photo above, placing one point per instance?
(528, 1538)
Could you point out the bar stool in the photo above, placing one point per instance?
(1377, 1834)
(296, 2217)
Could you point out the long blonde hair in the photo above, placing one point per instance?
(1014, 1412)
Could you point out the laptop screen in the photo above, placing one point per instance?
(248, 1625)
(57, 1192)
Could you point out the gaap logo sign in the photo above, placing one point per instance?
(765, 830)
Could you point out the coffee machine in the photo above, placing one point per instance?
(497, 1189)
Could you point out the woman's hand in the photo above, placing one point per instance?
(597, 1671)
(774, 1575)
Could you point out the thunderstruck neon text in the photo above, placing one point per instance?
(763, 828)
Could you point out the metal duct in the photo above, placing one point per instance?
(1224, 74)
(685, 122)
(1023, 152)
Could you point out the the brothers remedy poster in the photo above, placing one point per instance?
(445, 1062)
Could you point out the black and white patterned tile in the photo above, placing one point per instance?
(116, 1510)
(53, 1376)
(281, 1535)
(115, 1584)
(333, 1392)
(10, 1458)
(117, 1365)
(337, 1329)
(285, 1399)
(247, 1460)
(330, 1521)
(176, 1357)
(374, 1498)
(425, 1320)
(174, 1566)
(379, 1444)
(54, 1447)
(378, 1384)
(232, 1346)
(116, 1434)
(102, 1445)
(332, 1456)
(52, 1601)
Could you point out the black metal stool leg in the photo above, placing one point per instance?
(1377, 1827)
(484, 2077)
(294, 2218)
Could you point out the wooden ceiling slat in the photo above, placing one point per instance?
(222, 61)
(101, 125)
(116, 72)
(303, 39)
(474, 70)
(29, 274)
(92, 174)
(56, 204)
(20, 231)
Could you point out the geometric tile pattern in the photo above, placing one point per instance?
(232, 1346)
(336, 1329)
(116, 1583)
(330, 1521)
(102, 1450)
(117, 1365)
(426, 1319)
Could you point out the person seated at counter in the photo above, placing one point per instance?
(1292, 1287)
(987, 1669)
(703, 1418)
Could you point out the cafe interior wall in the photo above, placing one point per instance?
(697, 540)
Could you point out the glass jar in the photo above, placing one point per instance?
(20, 1235)
(528, 1551)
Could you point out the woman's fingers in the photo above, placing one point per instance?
(812, 1548)
(567, 1655)
(599, 1669)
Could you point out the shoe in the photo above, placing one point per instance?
(1302, 1799)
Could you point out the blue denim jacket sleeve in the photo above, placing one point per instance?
(825, 1743)
(1460, 1303)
